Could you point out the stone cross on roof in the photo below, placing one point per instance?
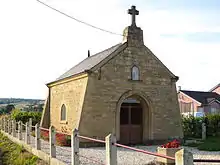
(133, 12)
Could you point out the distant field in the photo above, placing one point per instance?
(19, 100)
(19, 103)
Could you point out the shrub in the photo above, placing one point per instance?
(19, 115)
(192, 126)
(213, 127)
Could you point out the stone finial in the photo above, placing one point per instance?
(133, 35)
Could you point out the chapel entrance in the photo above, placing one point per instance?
(131, 122)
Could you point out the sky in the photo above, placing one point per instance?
(38, 44)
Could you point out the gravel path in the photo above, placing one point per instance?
(96, 155)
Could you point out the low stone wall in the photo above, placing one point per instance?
(42, 155)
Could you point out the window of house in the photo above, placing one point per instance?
(213, 110)
(63, 112)
(135, 73)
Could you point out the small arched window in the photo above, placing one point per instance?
(63, 112)
(135, 73)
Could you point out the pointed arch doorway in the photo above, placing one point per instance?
(131, 121)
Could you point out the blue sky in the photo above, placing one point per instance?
(185, 4)
(38, 44)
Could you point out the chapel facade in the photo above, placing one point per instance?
(125, 90)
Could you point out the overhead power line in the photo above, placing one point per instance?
(85, 23)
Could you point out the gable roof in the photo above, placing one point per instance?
(214, 87)
(89, 62)
(201, 96)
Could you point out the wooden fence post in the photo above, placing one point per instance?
(75, 147)
(37, 137)
(52, 139)
(111, 150)
(183, 157)
(27, 133)
(20, 130)
(13, 128)
(203, 131)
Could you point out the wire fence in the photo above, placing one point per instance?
(62, 153)
(38, 137)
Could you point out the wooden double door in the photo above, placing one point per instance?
(131, 123)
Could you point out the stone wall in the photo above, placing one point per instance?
(71, 94)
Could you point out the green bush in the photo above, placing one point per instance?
(213, 125)
(192, 126)
(23, 116)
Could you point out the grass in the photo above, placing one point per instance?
(13, 154)
(210, 144)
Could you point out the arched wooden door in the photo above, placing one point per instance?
(131, 123)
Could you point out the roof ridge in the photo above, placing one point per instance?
(216, 86)
(197, 91)
(104, 50)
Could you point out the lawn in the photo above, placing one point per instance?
(210, 144)
(13, 154)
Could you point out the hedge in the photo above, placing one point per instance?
(24, 116)
(192, 126)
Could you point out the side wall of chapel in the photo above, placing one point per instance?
(71, 94)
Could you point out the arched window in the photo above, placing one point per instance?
(63, 112)
(135, 74)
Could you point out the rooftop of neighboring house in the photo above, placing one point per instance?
(202, 97)
(218, 85)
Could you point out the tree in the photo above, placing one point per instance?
(9, 108)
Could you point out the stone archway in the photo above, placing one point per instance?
(145, 109)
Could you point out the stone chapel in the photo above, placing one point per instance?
(125, 90)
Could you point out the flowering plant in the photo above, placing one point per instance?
(45, 135)
(173, 144)
(63, 140)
